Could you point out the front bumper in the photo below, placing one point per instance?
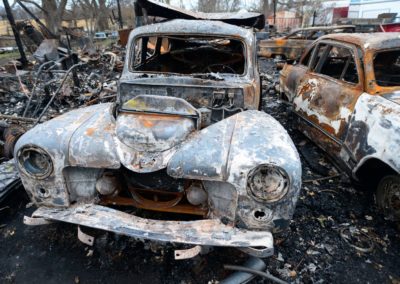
(203, 232)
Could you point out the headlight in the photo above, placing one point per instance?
(35, 162)
(267, 183)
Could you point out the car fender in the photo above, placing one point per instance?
(374, 131)
(59, 138)
(226, 151)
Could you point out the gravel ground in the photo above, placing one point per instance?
(337, 236)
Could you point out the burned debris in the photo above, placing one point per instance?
(57, 80)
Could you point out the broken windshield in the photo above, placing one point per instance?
(188, 55)
(387, 68)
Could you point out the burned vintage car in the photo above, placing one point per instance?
(291, 47)
(184, 138)
(346, 94)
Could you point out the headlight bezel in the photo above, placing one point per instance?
(268, 170)
(29, 159)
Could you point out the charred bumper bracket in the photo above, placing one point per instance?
(202, 232)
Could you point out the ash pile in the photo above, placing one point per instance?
(56, 80)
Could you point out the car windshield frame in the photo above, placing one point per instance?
(191, 35)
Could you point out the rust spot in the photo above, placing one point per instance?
(90, 131)
(147, 123)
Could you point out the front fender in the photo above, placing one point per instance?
(55, 137)
(229, 149)
(374, 131)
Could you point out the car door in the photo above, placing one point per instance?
(326, 94)
(292, 74)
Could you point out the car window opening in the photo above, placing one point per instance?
(336, 62)
(188, 55)
(387, 68)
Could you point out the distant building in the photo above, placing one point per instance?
(372, 8)
(285, 21)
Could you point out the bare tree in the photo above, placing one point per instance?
(303, 8)
(97, 12)
(52, 12)
(210, 6)
(207, 6)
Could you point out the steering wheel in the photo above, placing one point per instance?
(215, 68)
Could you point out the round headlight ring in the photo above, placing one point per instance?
(35, 162)
(267, 183)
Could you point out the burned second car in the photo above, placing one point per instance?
(345, 93)
(291, 46)
(184, 138)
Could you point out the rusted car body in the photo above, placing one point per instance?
(346, 93)
(184, 136)
(291, 47)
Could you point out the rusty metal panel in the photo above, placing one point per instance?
(289, 49)
(202, 232)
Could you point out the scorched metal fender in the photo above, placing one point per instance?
(228, 150)
(82, 137)
(71, 139)
(374, 131)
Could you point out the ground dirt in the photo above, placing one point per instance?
(312, 251)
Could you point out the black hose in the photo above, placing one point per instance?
(254, 271)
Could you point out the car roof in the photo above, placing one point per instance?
(367, 40)
(324, 28)
(205, 27)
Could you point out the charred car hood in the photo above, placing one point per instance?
(88, 138)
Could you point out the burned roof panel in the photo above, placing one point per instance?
(209, 28)
(157, 9)
(368, 40)
(324, 28)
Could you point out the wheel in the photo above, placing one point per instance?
(388, 196)
(11, 135)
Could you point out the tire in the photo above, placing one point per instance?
(9, 146)
(388, 196)
(12, 130)
(11, 136)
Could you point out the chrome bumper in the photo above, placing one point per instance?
(203, 232)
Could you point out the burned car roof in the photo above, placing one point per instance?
(194, 27)
(367, 40)
(324, 28)
(163, 10)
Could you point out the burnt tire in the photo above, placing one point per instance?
(9, 145)
(11, 136)
(13, 130)
(388, 196)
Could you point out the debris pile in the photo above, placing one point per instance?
(57, 81)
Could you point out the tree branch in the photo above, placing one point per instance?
(35, 4)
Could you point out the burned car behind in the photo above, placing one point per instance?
(345, 93)
(185, 138)
(291, 46)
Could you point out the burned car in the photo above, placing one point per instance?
(291, 47)
(184, 138)
(345, 93)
